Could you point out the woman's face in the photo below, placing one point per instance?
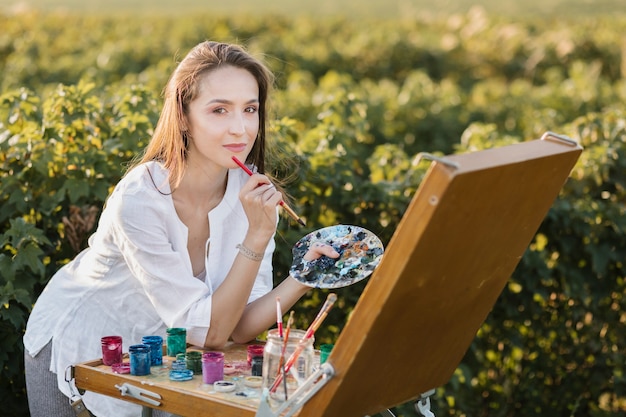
(224, 118)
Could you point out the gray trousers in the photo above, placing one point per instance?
(44, 397)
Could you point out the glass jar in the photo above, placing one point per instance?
(298, 373)
(212, 367)
(139, 359)
(156, 349)
(176, 341)
(111, 349)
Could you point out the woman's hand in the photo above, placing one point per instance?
(259, 198)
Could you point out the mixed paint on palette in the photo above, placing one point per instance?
(360, 251)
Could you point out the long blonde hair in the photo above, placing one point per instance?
(169, 143)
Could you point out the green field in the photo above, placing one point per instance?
(354, 8)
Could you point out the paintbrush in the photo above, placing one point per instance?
(279, 324)
(284, 205)
(281, 361)
(330, 300)
(279, 317)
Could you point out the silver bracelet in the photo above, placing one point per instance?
(250, 254)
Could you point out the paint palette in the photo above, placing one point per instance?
(360, 252)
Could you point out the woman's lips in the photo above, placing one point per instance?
(236, 147)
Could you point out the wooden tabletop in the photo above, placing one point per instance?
(185, 398)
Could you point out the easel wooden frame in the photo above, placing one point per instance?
(458, 243)
(456, 246)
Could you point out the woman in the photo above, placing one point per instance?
(185, 239)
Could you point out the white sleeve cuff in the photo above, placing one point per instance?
(198, 322)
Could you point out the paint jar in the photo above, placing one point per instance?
(179, 371)
(212, 367)
(298, 372)
(111, 349)
(121, 368)
(176, 341)
(139, 359)
(179, 365)
(194, 361)
(325, 350)
(254, 351)
(156, 349)
(255, 359)
(256, 369)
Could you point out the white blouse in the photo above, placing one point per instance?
(135, 278)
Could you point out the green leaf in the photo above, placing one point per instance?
(28, 258)
(8, 269)
(76, 189)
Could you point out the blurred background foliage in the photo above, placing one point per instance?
(357, 98)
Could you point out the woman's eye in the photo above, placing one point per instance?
(219, 110)
(251, 109)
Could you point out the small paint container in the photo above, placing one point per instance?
(255, 359)
(254, 351)
(257, 366)
(156, 349)
(194, 361)
(229, 369)
(325, 350)
(179, 371)
(253, 381)
(179, 364)
(121, 368)
(224, 386)
(176, 341)
(111, 349)
(184, 375)
(139, 359)
(212, 367)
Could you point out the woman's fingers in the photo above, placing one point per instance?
(260, 198)
(318, 249)
(265, 194)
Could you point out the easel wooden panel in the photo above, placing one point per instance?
(454, 250)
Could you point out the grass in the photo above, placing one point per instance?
(320, 8)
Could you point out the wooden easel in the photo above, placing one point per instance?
(456, 246)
